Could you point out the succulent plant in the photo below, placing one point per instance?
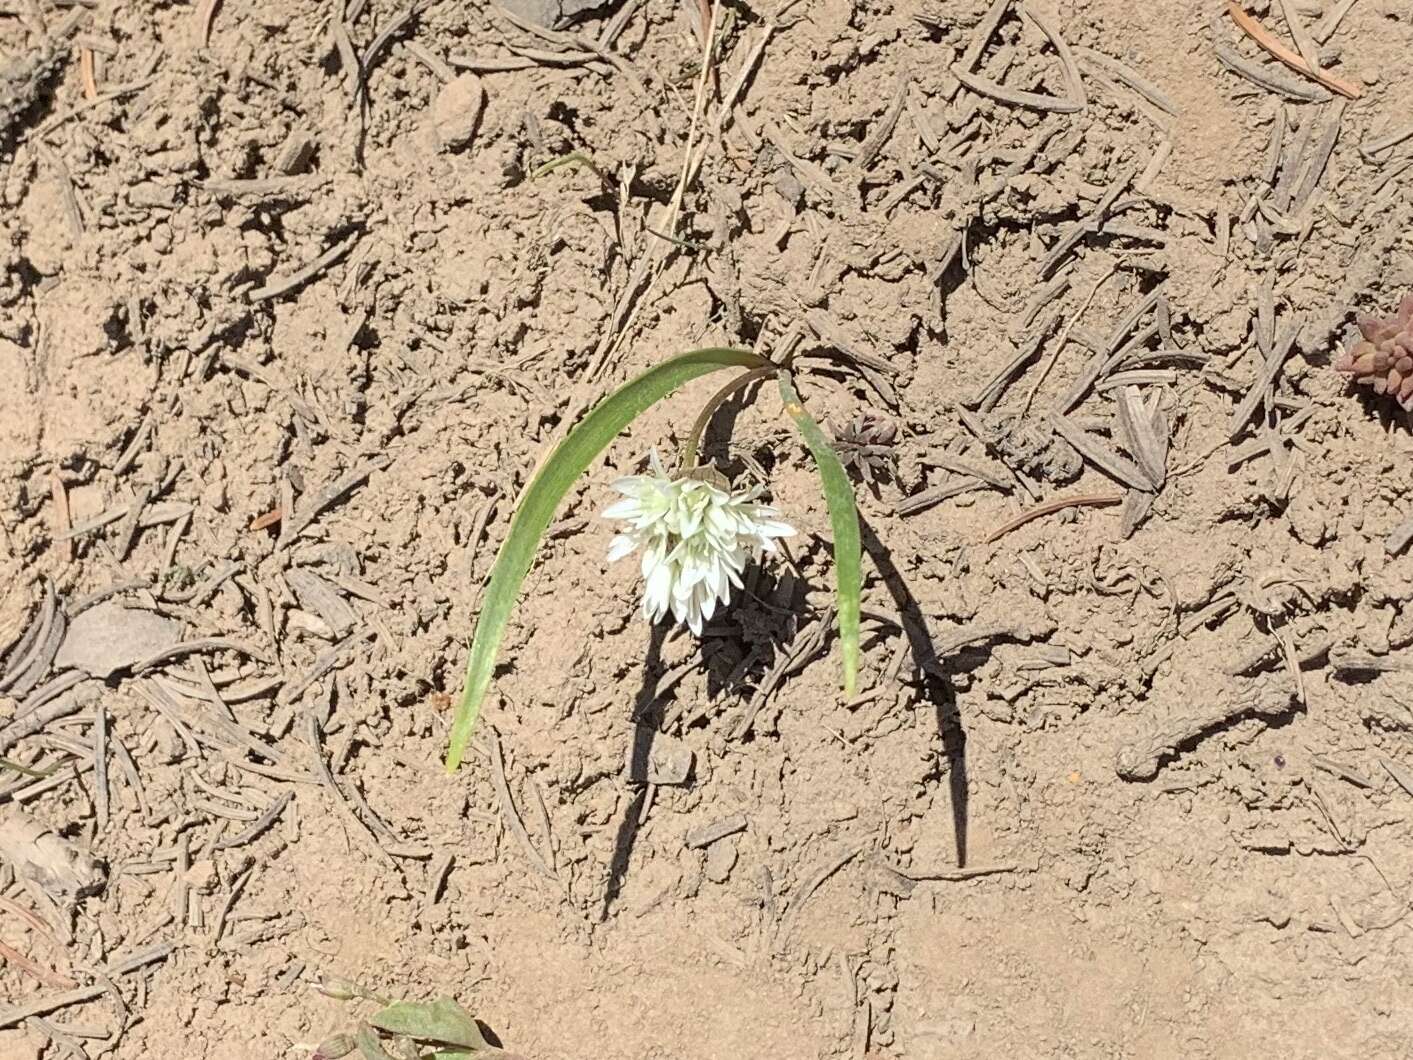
(865, 446)
(1383, 355)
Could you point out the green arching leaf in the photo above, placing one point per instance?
(442, 1021)
(541, 498)
(844, 519)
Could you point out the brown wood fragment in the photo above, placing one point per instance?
(86, 71)
(269, 519)
(48, 978)
(63, 522)
(1059, 504)
(1262, 36)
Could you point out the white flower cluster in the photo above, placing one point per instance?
(695, 537)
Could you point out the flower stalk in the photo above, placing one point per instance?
(694, 437)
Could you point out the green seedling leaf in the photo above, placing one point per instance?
(537, 505)
(5, 763)
(571, 159)
(367, 1041)
(844, 519)
(442, 1021)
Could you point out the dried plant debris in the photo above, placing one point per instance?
(1382, 357)
(25, 77)
(1034, 449)
(19, 593)
(60, 867)
(866, 446)
(110, 637)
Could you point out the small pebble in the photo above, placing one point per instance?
(720, 860)
(457, 110)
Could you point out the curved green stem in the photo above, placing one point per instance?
(694, 439)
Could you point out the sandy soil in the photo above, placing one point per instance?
(280, 343)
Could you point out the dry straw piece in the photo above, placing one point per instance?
(1383, 356)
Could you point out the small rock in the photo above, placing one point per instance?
(321, 598)
(552, 14)
(109, 637)
(202, 876)
(296, 152)
(302, 624)
(669, 761)
(151, 195)
(457, 111)
(1307, 519)
(720, 860)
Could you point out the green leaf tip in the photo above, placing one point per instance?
(843, 519)
(541, 498)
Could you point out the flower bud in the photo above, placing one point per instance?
(334, 1047)
(338, 988)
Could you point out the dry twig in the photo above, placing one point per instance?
(1060, 503)
(1268, 42)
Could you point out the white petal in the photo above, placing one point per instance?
(773, 528)
(620, 546)
(719, 584)
(657, 594)
(653, 558)
(693, 616)
(627, 508)
(708, 606)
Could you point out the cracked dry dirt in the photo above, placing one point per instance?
(281, 341)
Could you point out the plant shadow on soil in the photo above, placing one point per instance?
(936, 689)
(733, 663)
(644, 732)
(746, 663)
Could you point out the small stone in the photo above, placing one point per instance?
(202, 876)
(457, 111)
(148, 194)
(720, 860)
(60, 867)
(669, 761)
(302, 624)
(552, 14)
(296, 152)
(109, 637)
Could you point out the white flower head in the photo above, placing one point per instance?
(696, 539)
